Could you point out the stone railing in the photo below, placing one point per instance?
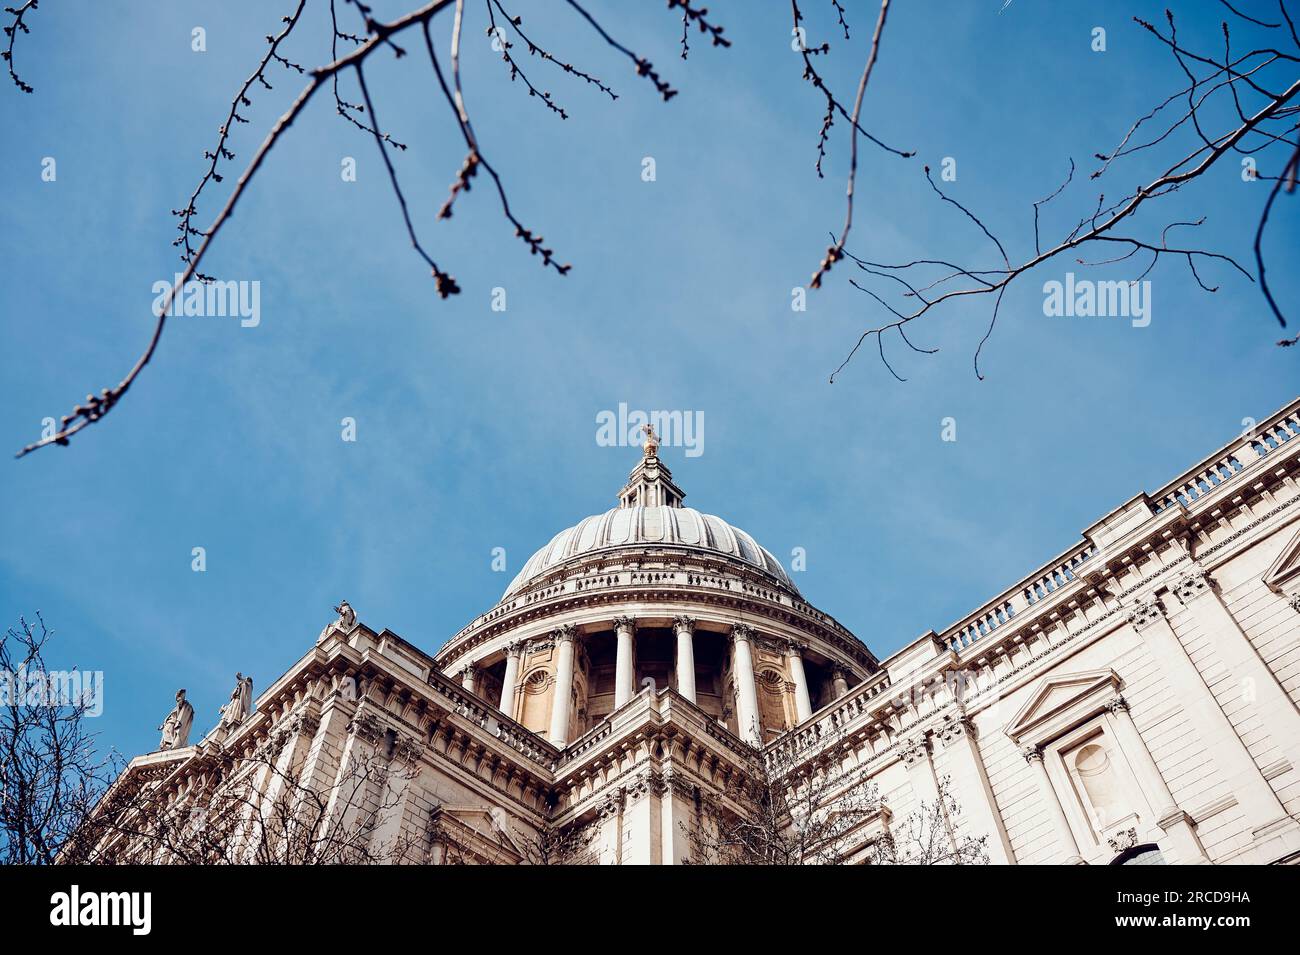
(1224, 465)
(833, 718)
(738, 581)
(1054, 582)
(1207, 476)
(493, 721)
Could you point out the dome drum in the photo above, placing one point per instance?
(653, 594)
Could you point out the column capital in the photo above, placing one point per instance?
(468, 670)
(742, 631)
(515, 648)
(367, 726)
(1032, 754)
(625, 623)
(1117, 705)
(915, 749)
(683, 622)
(953, 727)
(1146, 612)
(565, 633)
(1193, 582)
(795, 648)
(1295, 602)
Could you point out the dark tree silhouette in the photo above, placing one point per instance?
(1253, 84)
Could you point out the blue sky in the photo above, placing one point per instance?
(476, 429)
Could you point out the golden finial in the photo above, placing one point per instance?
(651, 446)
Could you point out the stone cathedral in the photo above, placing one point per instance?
(1133, 700)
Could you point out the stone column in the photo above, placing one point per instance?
(625, 664)
(802, 701)
(562, 701)
(973, 792)
(513, 653)
(839, 682)
(1060, 825)
(467, 676)
(685, 627)
(1197, 592)
(1258, 802)
(1175, 823)
(742, 672)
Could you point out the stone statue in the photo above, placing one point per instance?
(241, 701)
(347, 616)
(176, 727)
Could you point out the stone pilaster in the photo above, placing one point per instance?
(1047, 793)
(971, 786)
(1260, 806)
(1169, 818)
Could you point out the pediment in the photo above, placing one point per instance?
(1283, 575)
(1060, 700)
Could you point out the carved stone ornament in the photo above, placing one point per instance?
(1192, 583)
(914, 749)
(953, 727)
(684, 623)
(611, 806)
(1117, 705)
(407, 750)
(1124, 840)
(625, 623)
(1032, 753)
(742, 631)
(1145, 612)
(1295, 602)
(366, 726)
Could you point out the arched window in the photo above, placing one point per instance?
(1148, 854)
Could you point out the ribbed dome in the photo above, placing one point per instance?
(639, 525)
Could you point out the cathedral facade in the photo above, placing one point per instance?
(1134, 700)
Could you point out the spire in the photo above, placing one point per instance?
(650, 483)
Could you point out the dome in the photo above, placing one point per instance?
(640, 526)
